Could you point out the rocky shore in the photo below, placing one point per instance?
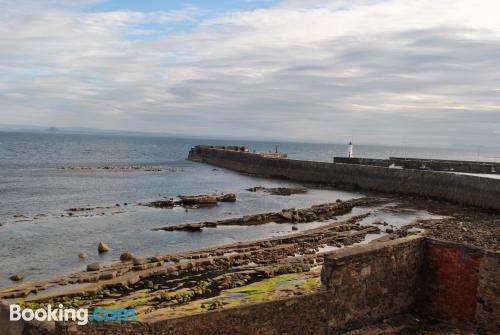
(176, 279)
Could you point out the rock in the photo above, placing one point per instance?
(191, 227)
(107, 276)
(93, 267)
(82, 255)
(155, 259)
(288, 216)
(79, 209)
(230, 197)
(103, 247)
(126, 256)
(217, 304)
(169, 203)
(198, 200)
(16, 277)
(389, 230)
(278, 190)
(193, 201)
(139, 261)
(295, 228)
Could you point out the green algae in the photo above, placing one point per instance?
(184, 296)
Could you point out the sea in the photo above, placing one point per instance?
(44, 174)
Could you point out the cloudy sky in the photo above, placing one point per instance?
(421, 72)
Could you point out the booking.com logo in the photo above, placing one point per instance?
(80, 315)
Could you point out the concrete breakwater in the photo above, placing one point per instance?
(462, 189)
(425, 164)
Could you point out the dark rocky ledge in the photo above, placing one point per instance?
(193, 201)
(291, 215)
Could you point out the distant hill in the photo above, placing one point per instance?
(53, 129)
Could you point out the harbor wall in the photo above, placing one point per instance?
(447, 165)
(462, 189)
(426, 164)
(362, 161)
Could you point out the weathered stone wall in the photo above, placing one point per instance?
(446, 165)
(300, 315)
(460, 284)
(488, 296)
(424, 164)
(462, 189)
(362, 161)
(372, 281)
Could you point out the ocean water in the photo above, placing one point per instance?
(39, 240)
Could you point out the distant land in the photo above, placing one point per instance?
(79, 130)
(95, 131)
(115, 132)
(53, 129)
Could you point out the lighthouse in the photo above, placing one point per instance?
(349, 150)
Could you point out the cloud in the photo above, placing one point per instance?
(412, 72)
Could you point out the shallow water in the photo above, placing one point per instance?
(40, 243)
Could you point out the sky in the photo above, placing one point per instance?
(398, 72)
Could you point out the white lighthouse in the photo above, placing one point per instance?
(349, 150)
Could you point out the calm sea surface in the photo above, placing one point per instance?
(39, 240)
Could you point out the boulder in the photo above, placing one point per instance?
(126, 256)
(288, 216)
(82, 255)
(198, 200)
(230, 197)
(217, 304)
(139, 261)
(93, 266)
(16, 277)
(103, 247)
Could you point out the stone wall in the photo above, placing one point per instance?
(462, 189)
(372, 281)
(362, 161)
(446, 165)
(424, 164)
(301, 315)
(460, 284)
